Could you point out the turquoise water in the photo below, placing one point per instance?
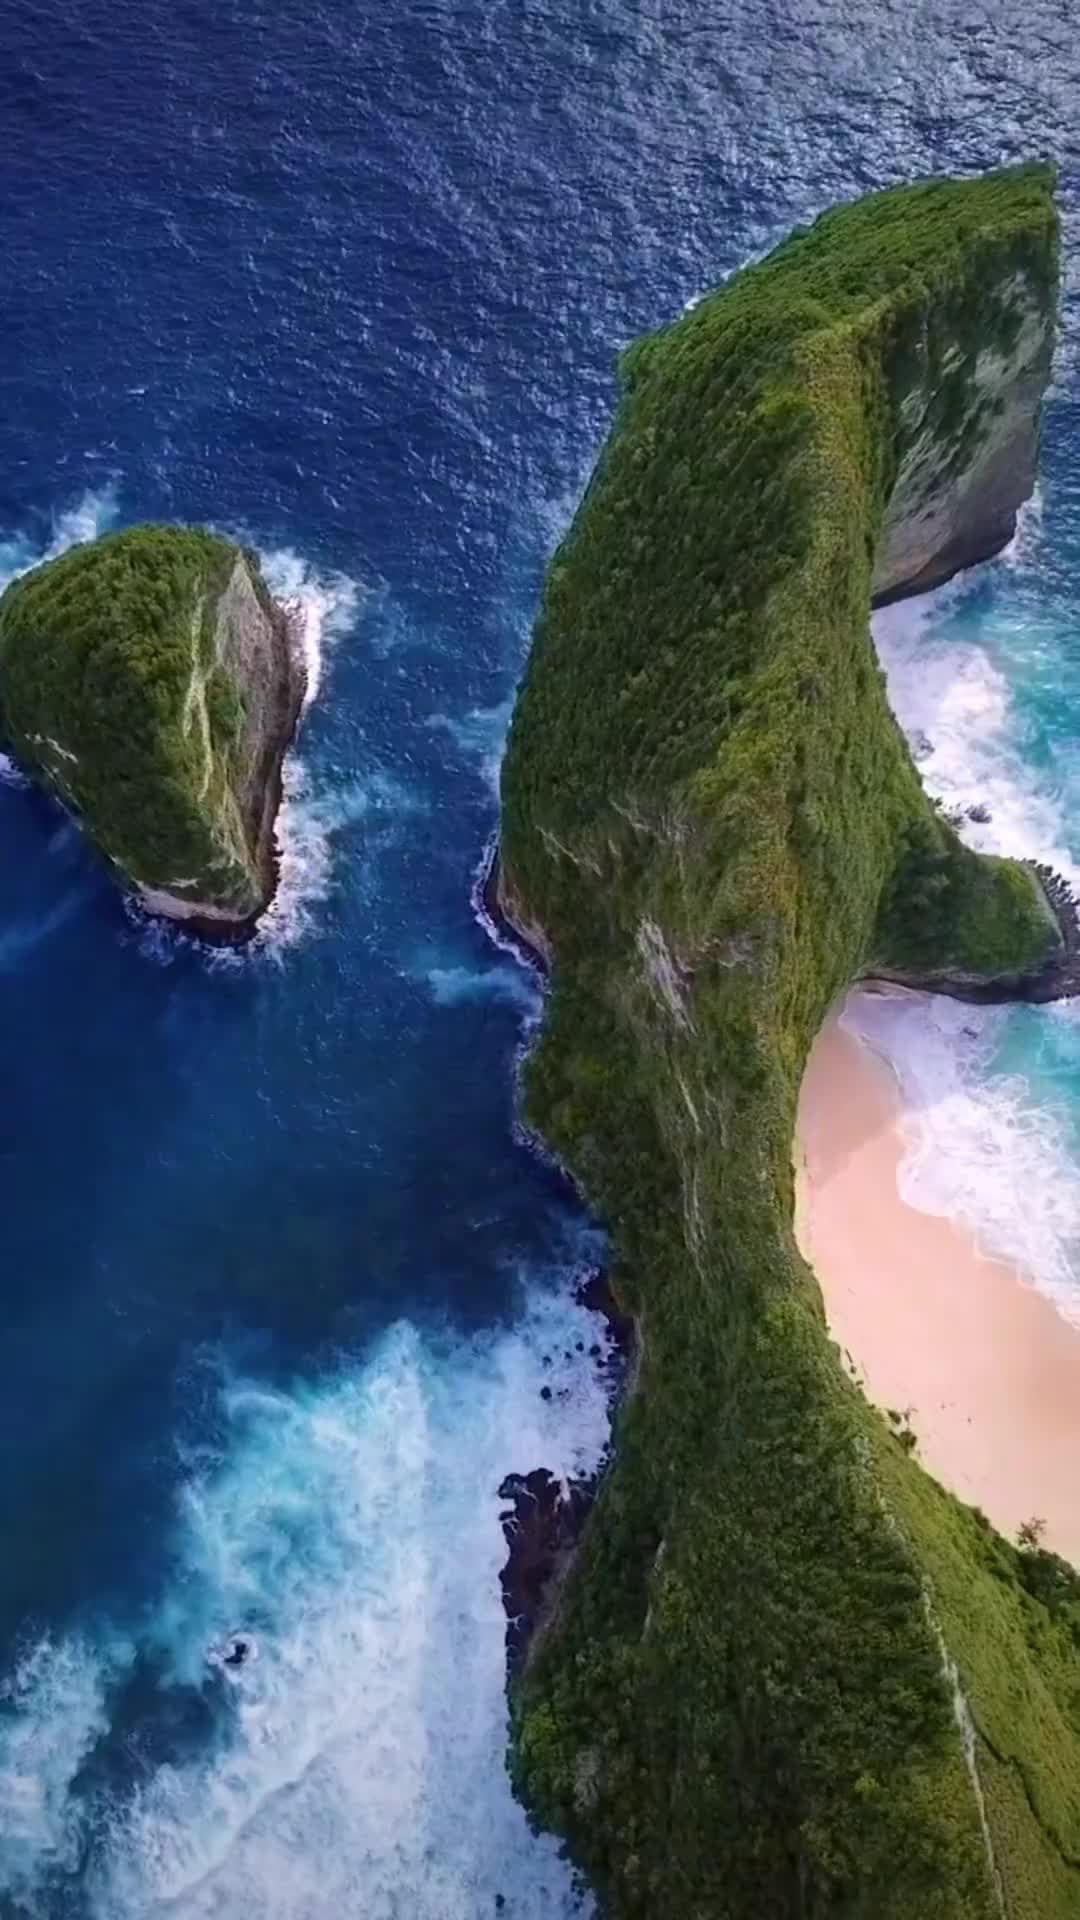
(985, 678)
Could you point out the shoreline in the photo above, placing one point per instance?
(984, 1367)
(544, 1520)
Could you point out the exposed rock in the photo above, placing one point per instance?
(1057, 979)
(958, 490)
(544, 1522)
(595, 1292)
(504, 915)
(540, 1527)
(255, 644)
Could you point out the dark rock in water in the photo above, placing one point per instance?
(490, 895)
(980, 814)
(239, 1650)
(541, 1528)
(595, 1293)
(544, 1522)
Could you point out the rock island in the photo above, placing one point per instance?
(152, 683)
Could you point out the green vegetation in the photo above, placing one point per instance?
(743, 1705)
(948, 909)
(110, 691)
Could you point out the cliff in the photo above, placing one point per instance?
(787, 1675)
(152, 683)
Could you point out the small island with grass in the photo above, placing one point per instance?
(787, 1674)
(151, 682)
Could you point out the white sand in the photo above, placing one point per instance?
(989, 1370)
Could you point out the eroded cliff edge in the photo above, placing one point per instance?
(788, 1675)
(152, 682)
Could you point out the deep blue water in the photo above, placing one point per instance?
(278, 1278)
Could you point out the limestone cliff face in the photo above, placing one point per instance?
(153, 683)
(252, 649)
(962, 479)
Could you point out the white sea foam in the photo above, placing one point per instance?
(314, 813)
(353, 1526)
(10, 774)
(451, 986)
(327, 606)
(90, 516)
(480, 735)
(52, 1710)
(954, 704)
(985, 1143)
(1024, 547)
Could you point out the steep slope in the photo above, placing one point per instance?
(150, 680)
(784, 1677)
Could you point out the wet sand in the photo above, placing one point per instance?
(986, 1367)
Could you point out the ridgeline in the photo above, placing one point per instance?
(787, 1675)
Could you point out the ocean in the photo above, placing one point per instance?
(282, 1280)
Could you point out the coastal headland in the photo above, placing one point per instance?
(788, 1674)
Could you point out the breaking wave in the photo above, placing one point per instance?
(990, 1093)
(357, 1765)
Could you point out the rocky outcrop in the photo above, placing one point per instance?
(1057, 979)
(543, 1522)
(153, 683)
(255, 647)
(502, 904)
(541, 1527)
(970, 424)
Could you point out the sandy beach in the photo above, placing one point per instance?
(987, 1368)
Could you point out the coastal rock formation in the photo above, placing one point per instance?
(969, 420)
(1058, 977)
(788, 1675)
(543, 1523)
(150, 680)
(540, 1527)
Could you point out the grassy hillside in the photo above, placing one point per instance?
(744, 1706)
(98, 649)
